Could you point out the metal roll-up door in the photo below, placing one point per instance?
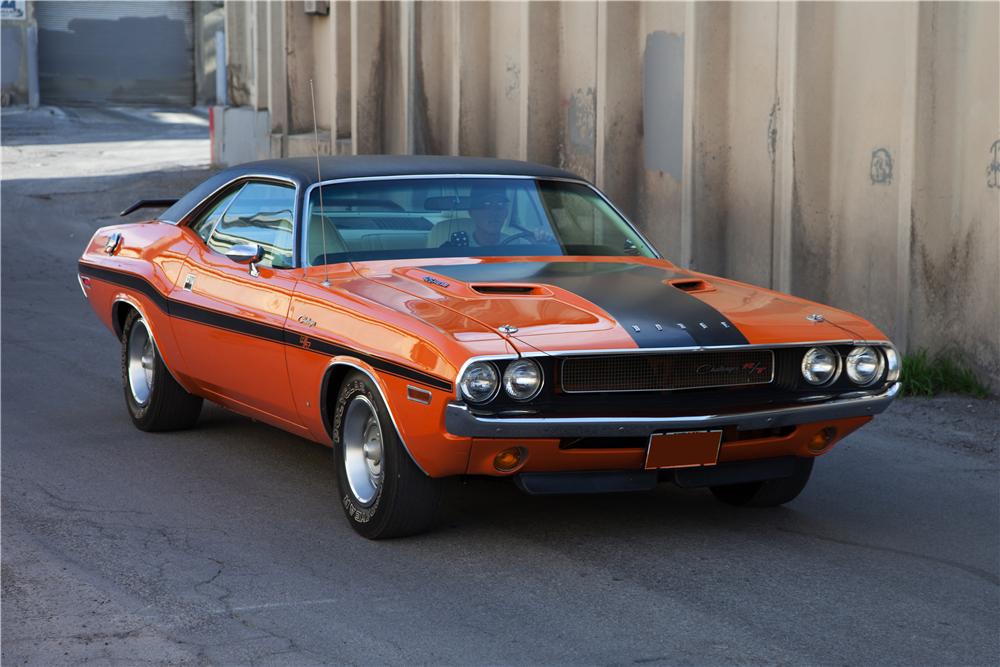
(115, 52)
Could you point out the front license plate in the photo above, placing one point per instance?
(683, 450)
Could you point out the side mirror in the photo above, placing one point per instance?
(247, 253)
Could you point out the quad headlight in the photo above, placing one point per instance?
(864, 365)
(522, 380)
(480, 382)
(820, 365)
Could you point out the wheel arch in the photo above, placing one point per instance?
(122, 305)
(333, 380)
(119, 313)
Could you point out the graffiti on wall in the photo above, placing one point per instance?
(772, 129)
(881, 167)
(993, 171)
(512, 79)
(577, 151)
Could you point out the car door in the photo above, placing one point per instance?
(230, 322)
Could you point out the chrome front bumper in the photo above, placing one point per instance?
(461, 422)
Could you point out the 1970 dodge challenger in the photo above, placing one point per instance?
(430, 317)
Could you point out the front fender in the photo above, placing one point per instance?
(417, 414)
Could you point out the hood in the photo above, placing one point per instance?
(615, 303)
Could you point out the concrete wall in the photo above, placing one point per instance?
(209, 18)
(842, 152)
(18, 58)
(953, 235)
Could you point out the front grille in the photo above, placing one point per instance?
(666, 372)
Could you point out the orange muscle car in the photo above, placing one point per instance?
(432, 316)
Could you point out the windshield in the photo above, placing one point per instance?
(463, 217)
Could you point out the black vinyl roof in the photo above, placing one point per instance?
(302, 171)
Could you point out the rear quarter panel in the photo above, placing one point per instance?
(152, 253)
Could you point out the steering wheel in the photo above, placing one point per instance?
(526, 235)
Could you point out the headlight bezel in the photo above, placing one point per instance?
(506, 379)
(892, 365)
(465, 374)
(851, 364)
(834, 375)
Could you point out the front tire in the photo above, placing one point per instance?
(382, 491)
(155, 401)
(769, 493)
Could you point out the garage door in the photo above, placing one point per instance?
(115, 52)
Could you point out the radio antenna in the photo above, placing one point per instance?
(319, 180)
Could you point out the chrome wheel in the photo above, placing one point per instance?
(362, 449)
(141, 358)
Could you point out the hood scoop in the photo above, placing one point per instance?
(508, 290)
(692, 285)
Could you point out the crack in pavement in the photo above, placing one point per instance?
(989, 577)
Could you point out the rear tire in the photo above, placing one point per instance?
(154, 399)
(769, 493)
(382, 491)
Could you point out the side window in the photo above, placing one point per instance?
(204, 224)
(261, 213)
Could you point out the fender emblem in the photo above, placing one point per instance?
(435, 281)
(815, 317)
(308, 321)
(507, 329)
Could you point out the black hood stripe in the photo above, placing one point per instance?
(653, 313)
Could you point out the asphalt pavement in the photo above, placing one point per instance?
(226, 545)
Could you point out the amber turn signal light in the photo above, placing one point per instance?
(822, 439)
(509, 459)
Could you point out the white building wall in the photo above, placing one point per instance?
(845, 152)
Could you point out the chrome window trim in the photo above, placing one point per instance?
(248, 180)
(236, 193)
(399, 177)
(185, 220)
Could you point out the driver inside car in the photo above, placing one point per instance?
(489, 209)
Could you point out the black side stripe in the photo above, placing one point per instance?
(213, 318)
